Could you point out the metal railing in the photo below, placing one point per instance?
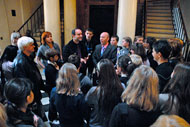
(179, 26)
(34, 22)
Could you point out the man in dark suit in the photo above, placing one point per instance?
(77, 47)
(104, 50)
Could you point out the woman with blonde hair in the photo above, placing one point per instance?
(47, 43)
(3, 116)
(170, 121)
(140, 99)
(68, 100)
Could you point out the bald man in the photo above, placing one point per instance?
(104, 50)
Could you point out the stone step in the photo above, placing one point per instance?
(158, 5)
(160, 14)
(158, 11)
(158, 8)
(157, 35)
(169, 31)
(160, 26)
(159, 18)
(159, 22)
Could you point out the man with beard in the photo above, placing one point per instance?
(77, 47)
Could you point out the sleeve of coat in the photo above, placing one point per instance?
(115, 117)
(114, 55)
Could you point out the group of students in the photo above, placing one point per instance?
(148, 85)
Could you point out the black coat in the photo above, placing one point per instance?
(25, 67)
(71, 48)
(125, 116)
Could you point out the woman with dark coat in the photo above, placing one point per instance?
(105, 96)
(140, 99)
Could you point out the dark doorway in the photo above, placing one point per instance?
(101, 19)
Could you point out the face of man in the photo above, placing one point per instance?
(89, 35)
(78, 36)
(113, 41)
(104, 38)
(140, 40)
(29, 48)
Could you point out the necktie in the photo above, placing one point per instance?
(78, 50)
(102, 50)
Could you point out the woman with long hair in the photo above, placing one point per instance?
(47, 42)
(68, 100)
(106, 95)
(176, 100)
(140, 99)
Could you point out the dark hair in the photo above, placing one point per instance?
(139, 50)
(137, 37)
(150, 41)
(129, 40)
(16, 91)
(89, 29)
(74, 30)
(74, 59)
(126, 64)
(9, 54)
(163, 47)
(51, 53)
(179, 89)
(110, 89)
(116, 37)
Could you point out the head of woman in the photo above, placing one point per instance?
(142, 90)
(106, 72)
(139, 50)
(18, 91)
(46, 37)
(179, 88)
(14, 38)
(176, 47)
(68, 82)
(126, 65)
(18, 94)
(110, 89)
(170, 121)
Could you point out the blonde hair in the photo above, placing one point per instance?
(68, 82)
(170, 121)
(142, 89)
(3, 116)
(136, 59)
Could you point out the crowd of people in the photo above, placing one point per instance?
(95, 83)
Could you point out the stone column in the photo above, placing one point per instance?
(127, 13)
(52, 19)
(69, 19)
